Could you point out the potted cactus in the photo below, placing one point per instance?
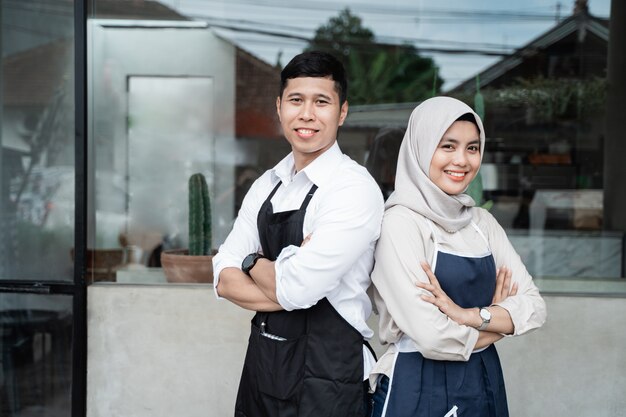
(193, 264)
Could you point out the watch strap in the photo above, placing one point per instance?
(249, 262)
(486, 321)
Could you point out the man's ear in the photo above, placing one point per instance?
(278, 107)
(343, 112)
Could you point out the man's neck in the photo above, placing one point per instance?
(301, 160)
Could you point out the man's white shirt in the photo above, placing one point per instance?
(343, 219)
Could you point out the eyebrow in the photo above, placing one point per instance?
(456, 141)
(297, 94)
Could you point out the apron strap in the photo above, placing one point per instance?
(481, 234)
(269, 197)
(309, 195)
(370, 348)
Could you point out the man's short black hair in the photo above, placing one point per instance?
(316, 64)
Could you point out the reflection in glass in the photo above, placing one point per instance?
(35, 346)
(161, 112)
(37, 138)
(542, 176)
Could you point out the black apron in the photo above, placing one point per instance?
(303, 362)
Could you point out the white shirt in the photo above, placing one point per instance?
(343, 218)
(406, 239)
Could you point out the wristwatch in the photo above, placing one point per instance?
(486, 316)
(249, 261)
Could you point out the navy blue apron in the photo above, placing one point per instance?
(300, 363)
(421, 387)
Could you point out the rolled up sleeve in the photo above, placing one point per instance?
(244, 238)
(397, 269)
(527, 309)
(345, 225)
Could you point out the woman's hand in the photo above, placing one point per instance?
(440, 299)
(504, 289)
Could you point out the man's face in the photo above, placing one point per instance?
(310, 114)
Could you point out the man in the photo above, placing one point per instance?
(300, 254)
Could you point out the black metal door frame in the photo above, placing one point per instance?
(77, 290)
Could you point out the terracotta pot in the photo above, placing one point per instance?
(181, 267)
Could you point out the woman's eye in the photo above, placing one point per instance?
(473, 148)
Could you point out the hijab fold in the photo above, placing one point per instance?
(413, 188)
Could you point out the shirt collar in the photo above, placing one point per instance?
(319, 171)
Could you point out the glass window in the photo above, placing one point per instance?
(37, 147)
(35, 342)
(37, 138)
(182, 88)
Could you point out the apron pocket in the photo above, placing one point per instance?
(280, 366)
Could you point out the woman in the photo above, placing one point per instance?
(447, 282)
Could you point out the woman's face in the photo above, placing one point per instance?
(457, 158)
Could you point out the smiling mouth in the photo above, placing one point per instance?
(455, 175)
(305, 132)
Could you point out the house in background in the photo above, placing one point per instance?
(544, 115)
(215, 99)
(163, 112)
(543, 165)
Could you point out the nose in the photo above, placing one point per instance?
(307, 111)
(460, 158)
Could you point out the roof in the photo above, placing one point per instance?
(132, 9)
(580, 24)
(379, 115)
(257, 88)
(32, 76)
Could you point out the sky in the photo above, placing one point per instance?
(479, 27)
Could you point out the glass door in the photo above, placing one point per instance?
(42, 209)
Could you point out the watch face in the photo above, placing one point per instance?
(485, 314)
(248, 262)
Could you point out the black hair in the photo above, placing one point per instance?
(316, 64)
(469, 117)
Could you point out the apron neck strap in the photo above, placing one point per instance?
(309, 195)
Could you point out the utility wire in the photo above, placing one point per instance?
(364, 45)
(387, 9)
(386, 39)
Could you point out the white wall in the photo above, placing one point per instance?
(118, 52)
(175, 350)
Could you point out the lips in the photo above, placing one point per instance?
(305, 133)
(456, 175)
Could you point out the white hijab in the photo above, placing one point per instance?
(413, 188)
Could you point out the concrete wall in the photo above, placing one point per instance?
(163, 351)
(574, 366)
(159, 350)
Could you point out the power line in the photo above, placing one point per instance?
(391, 10)
(365, 45)
(395, 40)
